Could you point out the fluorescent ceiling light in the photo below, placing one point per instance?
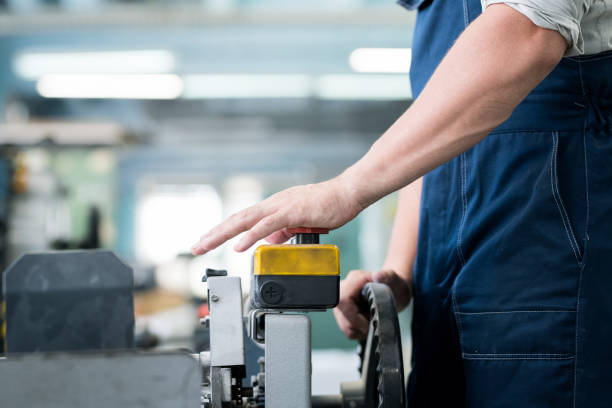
(31, 65)
(381, 60)
(162, 86)
(247, 86)
(69, 133)
(343, 86)
(363, 87)
(243, 86)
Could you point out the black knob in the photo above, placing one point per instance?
(213, 272)
(308, 238)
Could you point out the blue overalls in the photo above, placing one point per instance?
(513, 278)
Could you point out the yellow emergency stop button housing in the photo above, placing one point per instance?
(305, 276)
(313, 259)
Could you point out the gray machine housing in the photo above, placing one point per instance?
(68, 300)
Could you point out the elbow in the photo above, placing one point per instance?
(547, 47)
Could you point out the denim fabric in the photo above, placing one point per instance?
(513, 277)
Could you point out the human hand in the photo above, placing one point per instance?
(329, 205)
(351, 321)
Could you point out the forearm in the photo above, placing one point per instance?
(493, 65)
(402, 248)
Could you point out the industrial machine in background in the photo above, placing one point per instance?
(68, 301)
(61, 302)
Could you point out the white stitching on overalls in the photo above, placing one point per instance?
(517, 356)
(586, 246)
(466, 21)
(457, 317)
(463, 176)
(466, 16)
(557, 197)
(515, 311)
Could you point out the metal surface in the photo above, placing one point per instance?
(226, 327)
(288, 361)
(100, 380)
(68, 300)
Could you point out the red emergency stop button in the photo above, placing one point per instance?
(308, 230)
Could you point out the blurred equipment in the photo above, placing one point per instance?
(100, 380)
(278, 322)
(82, 300)
(69, 300)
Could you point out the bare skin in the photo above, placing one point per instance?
(492, 67)
(395, 273)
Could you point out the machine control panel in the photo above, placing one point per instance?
(302, 275)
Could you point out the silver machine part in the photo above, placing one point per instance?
(226, 341)
(226, 326)
(288, 363)
(100, 380)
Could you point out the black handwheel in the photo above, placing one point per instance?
(381, 354)
(382, 370)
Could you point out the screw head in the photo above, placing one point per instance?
(214, 298)
(271, 292)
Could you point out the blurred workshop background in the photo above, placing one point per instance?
(136, 125)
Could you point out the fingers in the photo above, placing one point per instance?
(266, 226)
(237, 223)
(321, 205)
(279, 237)
(352, 323)
(350, 320)
(401, 289)
(350, 330)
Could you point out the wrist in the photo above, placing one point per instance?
(356, 187)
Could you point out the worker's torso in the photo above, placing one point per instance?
(511, 280)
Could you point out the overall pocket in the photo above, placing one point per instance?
(568, 183)
(518, 358)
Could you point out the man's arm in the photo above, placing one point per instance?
(396, 272)
(402, 249)
(491, 68)
(493, 65)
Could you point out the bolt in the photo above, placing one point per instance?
(214, 298)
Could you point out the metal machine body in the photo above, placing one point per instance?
(285, 333)
(288, 361)
(68, 300)
(125, 379)
(70, 328)
(224, 369)
(284, 380)
(287, 280)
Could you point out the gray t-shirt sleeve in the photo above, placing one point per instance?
(563, 16)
